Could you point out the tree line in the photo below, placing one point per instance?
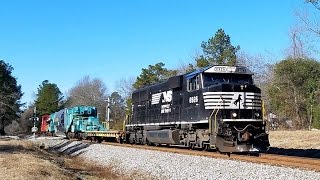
(290, 87)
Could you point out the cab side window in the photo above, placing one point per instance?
(193, 83)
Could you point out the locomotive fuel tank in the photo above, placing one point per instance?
(166, 136)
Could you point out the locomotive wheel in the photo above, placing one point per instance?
(99, 140)
(192, 146)
(148, 143)
(68, 136)
(92, 139)
(205, 147)
(80, 136)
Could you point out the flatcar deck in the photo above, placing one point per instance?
(109, 134)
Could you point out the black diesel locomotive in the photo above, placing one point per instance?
(217, 107)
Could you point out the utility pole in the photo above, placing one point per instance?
(108, 109)
(34, 118)
(108, 113)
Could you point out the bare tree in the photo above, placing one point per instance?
(24, 120)
(310, 21)
(89, 92)
(259, 64)
(297, 47)
(189, 64)
(185, 67)
(125, 87)
(305, 33)
(23, 124)
(302, 43)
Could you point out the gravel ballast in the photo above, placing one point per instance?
(164, 165)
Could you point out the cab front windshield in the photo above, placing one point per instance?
(220, 78)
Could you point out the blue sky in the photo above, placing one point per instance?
(62, 41)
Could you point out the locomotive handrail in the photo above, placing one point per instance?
(245, 128)
(215, 112)
(263, 112)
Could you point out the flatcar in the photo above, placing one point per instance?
(81, 122)
(217, 107)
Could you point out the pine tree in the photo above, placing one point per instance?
(218, 50)
(153, 74)
(10, 95)
(48, 99)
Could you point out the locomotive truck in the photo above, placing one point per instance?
(217, 107)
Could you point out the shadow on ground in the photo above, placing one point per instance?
(68, 149)
(308, 153)
(13, 149)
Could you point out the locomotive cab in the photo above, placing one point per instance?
(235, 107)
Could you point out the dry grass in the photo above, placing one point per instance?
(18, 160)
(91, 170)
(22, 160)
(26, 166)
(295, 139)
(17, 145)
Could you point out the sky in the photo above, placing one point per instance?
(63, 41)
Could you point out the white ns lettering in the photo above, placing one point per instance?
(167, 96)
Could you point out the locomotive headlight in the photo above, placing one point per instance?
(257, 114)
(234, 115)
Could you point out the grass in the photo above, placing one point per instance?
(26, 166)
(90, 170)
(23, 160)
(19, 160)
(295, 139)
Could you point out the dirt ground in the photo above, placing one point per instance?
(295, 139)
(22, 160)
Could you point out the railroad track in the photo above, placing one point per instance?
(262, 158)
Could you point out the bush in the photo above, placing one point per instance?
(316, 117)
(13, 128)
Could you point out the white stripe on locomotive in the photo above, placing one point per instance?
(228, 100)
